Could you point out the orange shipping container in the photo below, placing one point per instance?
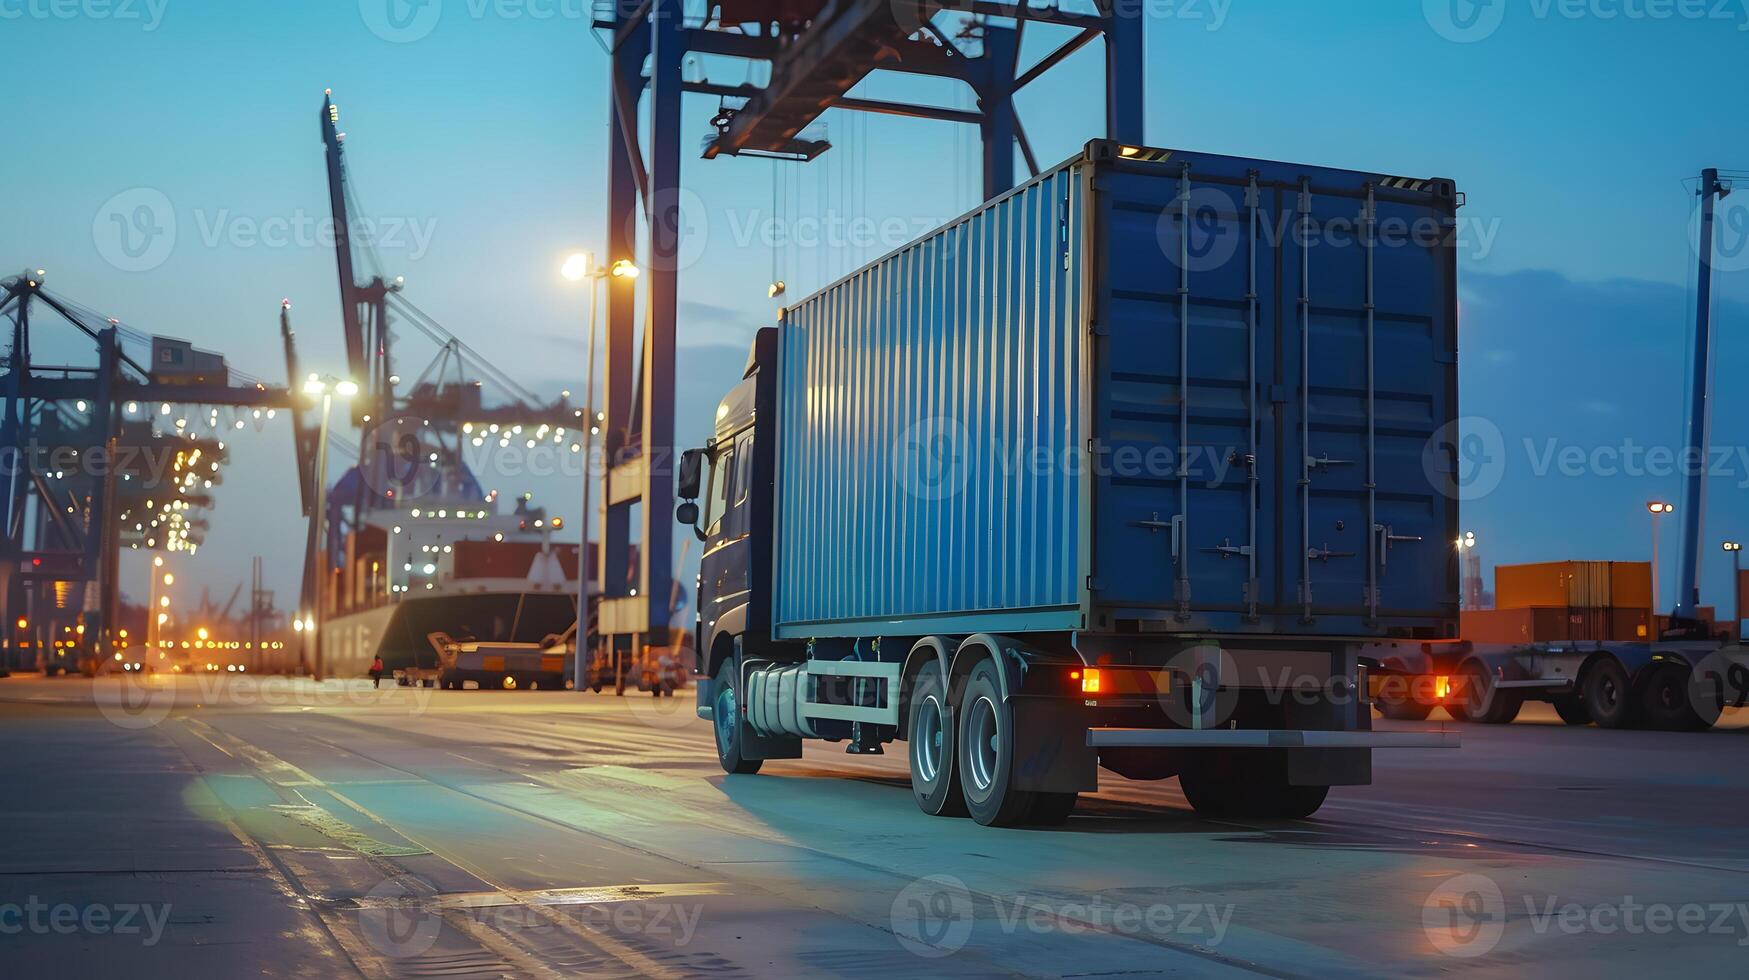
(1583, 584)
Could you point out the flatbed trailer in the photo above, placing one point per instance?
(1672, 686)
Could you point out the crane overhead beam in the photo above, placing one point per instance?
(811, 74)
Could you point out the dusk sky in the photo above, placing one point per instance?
(478, 137)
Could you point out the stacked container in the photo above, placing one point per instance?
(1566, 602)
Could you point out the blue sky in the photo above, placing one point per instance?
(1570, 126)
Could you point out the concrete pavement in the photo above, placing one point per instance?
(221, 827)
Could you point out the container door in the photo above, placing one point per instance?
(1370, 363)
(1186, 360)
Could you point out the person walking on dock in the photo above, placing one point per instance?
(376, 671)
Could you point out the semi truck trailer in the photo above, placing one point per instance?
(1123, 469)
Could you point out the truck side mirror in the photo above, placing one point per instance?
(691, 475)
(687, 513)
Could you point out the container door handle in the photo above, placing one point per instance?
(1387, 538)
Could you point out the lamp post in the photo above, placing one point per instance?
(153, 616)
(1469, 565)
(327, 389)
(581, 267)
(1736, 550)
(1657, 508)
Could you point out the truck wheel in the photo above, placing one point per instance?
(1665, 701)
(1484, 702)
(1606, 694)
(930, 743)
(985, 752)
(726, 720)
(1571, 708)
(1248, 783)
(1052, 809)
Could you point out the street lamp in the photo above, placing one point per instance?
(326, 389)
(1657, 508)
(152, 603)
(1736, 550)
(578, 267)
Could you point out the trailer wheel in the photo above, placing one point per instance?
(726, 719)
(1571, 708)
(1485, 703)
(1666, 704)
(931, 745)
(1052, 809)
(1607, 696)
(1248, 783)
(985, 752)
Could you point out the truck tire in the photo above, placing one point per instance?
(726, 720)
(1250, 784)
(1485, 703)
(1571, 708)
(1665, 702)
(984, 753)
(1606, 693)
(1052, 809)
(930, 744)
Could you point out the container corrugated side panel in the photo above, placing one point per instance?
(929, 430)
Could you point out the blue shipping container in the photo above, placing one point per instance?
(1148, 391)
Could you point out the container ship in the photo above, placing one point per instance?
(457, 568)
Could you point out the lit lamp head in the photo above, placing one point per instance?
(1660, 507)
(578, 266)
(1733, 546)
(623, 269)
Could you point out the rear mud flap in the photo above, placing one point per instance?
(1051, 754)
